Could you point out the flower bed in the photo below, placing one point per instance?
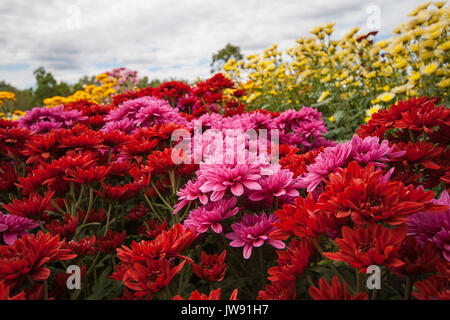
(164, 193)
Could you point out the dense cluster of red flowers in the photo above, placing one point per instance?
(103, 200)
(422, 129)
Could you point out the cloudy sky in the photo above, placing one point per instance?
(165, 38)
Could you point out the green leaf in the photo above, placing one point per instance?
(338, 116)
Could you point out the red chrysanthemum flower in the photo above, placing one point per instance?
(139, 148)
(8, 176)
(335, 291)
(433, 288)
(293, 261)
(115, 138)
(212, 267)
(84, 247)
(117, 193)
(167, 245)
(161, 161)
(28, 257)
(111, 241)
(297, 163)
(150, 276)
(417, 260)
(81, 138)
(94, 216)
(280, 290)
(305, 220)
(423, 115)
(369, 245)
(5, 293)
(13, 140)
(362, 194)
(65, 228)
(31, 208)
(417, 114)
(152, 228)
(41, 147)
(137, 212)
(214, 295)
(88, 175)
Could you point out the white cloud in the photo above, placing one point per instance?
(161, 38)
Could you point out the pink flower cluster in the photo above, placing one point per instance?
(45, 119)
(141, 112)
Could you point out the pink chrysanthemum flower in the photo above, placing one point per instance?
(262, 121)
(45, 119)
(280, 184)
(157, 111)
(190, 192)
(219, 178)
(370, 150)
(126, 125)
(253, 231)
(433, 226)
(300, 127)
(328, 161)
(144, 111)
(13, 227)
(211, 215)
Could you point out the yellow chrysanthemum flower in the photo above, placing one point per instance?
(429, 69)
(323, 96)
(386, 97)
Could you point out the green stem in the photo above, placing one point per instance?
(108, 217)
(311, 283)
(57, 207)
(319, 248)
(91, 197)
(153, 208)
(92, 265)
(261, 265)
(408, 288)
(91, 200)
(45, 290)
(161, 197)
(72, 201)
(79, 198)
(374, 294)
(358, 281)
(185, 212)
(41, 226)
(180, 283)
(172, 181)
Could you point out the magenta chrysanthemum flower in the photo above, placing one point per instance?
(369, 150)
(190, 192)
(300, 127)
(13, 227)
(327, 162)
(144, 111)
(262, 121)
(219, 179)
(433, 226)
(126, 125)
(157, 111)
(253, 231)
(211, 215)
(280, 184)
(44, 119)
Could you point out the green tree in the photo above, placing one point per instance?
(47, 87)
(23, 97)
(224, 55)
(84, 81)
